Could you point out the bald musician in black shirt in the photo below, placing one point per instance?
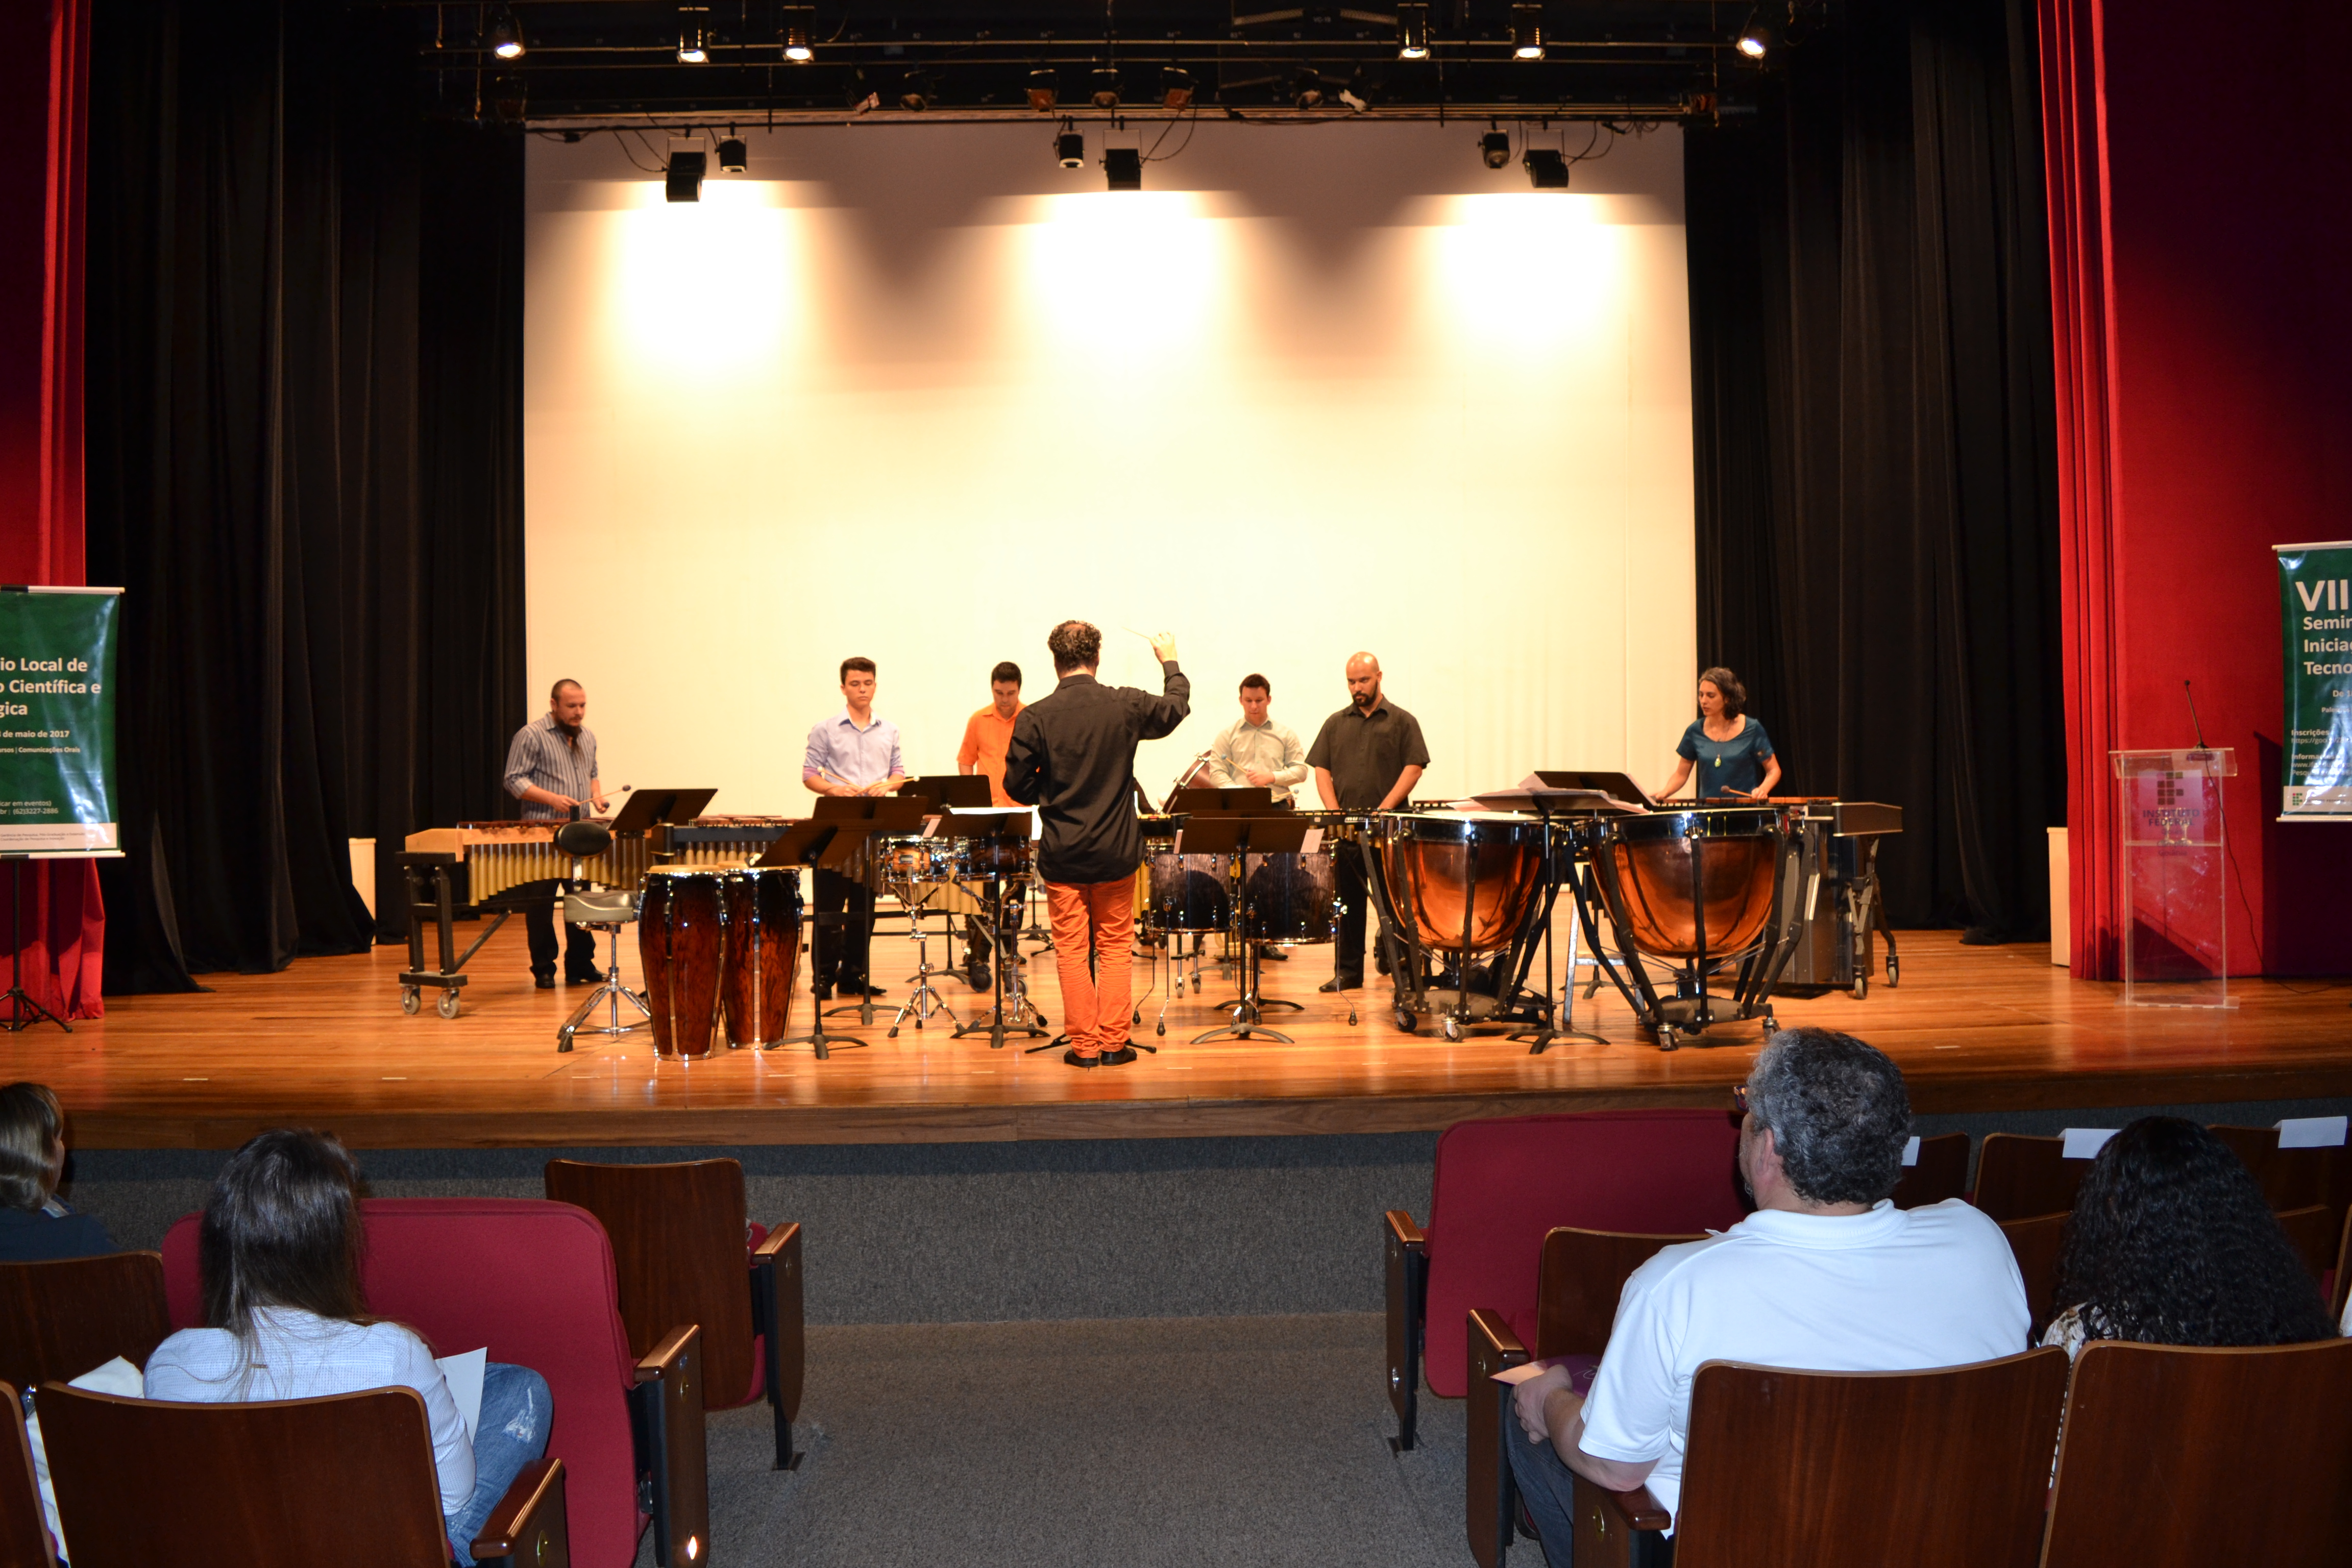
(1367, 757)
(1073, 756)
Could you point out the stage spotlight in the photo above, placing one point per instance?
(1104, 89)
(797, 47)
(1124, 167)
(916, 93)
(693, 37)
(1307, 90)
(734, 158)
(505, 34)
(1176, 87)
(1526, 33)
(1759, 38)
(507, 100)
(1070, 149)
(1495, 147)
(1547, 168)
(1412, 32)
(684, 183)
(1042, 90)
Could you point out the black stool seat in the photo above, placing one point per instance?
(585, 840)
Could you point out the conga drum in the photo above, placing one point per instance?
(681, 922)
(763, 952)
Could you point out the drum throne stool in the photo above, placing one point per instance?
(605, 909)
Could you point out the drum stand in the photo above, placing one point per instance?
(1023, 1017)
(923, 1001)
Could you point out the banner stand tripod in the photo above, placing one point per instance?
(23, 1009)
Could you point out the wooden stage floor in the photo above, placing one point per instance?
(326, 1044)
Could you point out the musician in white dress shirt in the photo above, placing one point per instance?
(1254, 749)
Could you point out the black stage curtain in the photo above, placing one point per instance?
(305, 416)
(1874, 432)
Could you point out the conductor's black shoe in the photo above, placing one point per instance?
(1076, 1060)
(1342, 983)
(544, 982)
(851, 989)
(583, 979)
(1117, 1058)
(1274, 955)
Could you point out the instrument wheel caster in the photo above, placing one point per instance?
(1861, 986)
(1771, 1025)
(411, 998)
(447, 1006)
(1894, 971)
(1454, 1029)
(1404, 1019)
(1668, 1041)
(1163, 1026)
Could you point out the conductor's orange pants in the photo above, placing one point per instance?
(1096, 918)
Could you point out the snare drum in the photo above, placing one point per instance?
(1290, 900)
(1463, 879)
(681, 922)
(1189, 893)
(907, 861)
(763, 952)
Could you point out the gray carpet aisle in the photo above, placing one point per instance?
(1226, 1441)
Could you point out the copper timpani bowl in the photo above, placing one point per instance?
(1689, 884)
(1449, 869)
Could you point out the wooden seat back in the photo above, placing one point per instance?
(60, 1319)
(2176, 1457)
(2312, 1232)
(1942, 1469)
(1583, 1273)
(678, 1234)
(2294, 1178)
(2035, 1244)
(2020, 1177)
(24, 1536)
(2343, 1284)
(1940, 1172)
(343, 1479)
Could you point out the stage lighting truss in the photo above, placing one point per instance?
(505, 34)
(1070, 147)
(693, 38)
(1123, 168)
(683, 182)
(1495, 149)
(1547, 168)
(1526, 33)
(1412, 32)
(799, 33)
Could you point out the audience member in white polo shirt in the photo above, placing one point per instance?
(1827, 1275)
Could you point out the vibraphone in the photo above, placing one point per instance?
(473, 864)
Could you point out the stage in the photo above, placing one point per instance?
(325, 1044)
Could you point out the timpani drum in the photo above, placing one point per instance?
(762, 956)
(1189, 893)
(1689, 885)
(1290, 900)
(1465, 879)
(681, 924)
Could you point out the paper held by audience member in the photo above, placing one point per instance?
(463, 1375)
(2085, 1142)
(2312, 1132)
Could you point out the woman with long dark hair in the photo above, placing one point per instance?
(1725, 745)
(280, 1251)
(2171, 1243)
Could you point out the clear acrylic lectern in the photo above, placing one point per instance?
(2175, 870)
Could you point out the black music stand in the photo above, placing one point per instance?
(1008, 827)
(948, 792)
(1247, 799)
(1549, 804)
(1242, 836)
(648, 807)
(815, 845)
(871, 815)
(25, 1009)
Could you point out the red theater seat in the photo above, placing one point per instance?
(534, 1280)
(1501, 1186)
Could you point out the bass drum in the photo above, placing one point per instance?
(1189, 893)
(1290, 900)
(763, 953)
(1449, 870)
(1689, 884)
(681, 925)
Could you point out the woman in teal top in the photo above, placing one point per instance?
(1729, 747)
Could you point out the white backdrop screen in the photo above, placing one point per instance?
(919, 394)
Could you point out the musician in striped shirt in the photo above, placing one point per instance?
(551, 769)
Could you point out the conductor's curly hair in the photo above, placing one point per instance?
(2172, 1243)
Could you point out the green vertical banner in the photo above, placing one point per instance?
(2316, 617)
(57, 721)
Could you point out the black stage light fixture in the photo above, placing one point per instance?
(506, 34)
(1070, 148)
(1759, 38)
(1103, 90)
(507, 99)
(684, 183)
(916, 93)
(1176, 87)
(1306, 90)
(1124, 167)
(797, 47)
(1495, 147)
(693, 34)
(1044, 89)
(1412, 32)
(1526, 33)
(1547, 168)
(734, 158)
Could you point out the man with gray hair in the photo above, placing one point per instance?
(1826, 1276)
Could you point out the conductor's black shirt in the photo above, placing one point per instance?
(1073, 756)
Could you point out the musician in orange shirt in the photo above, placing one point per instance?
(986, 734)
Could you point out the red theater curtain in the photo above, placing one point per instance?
(58, 927)
(2083, 319)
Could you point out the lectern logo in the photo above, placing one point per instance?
(2329, 594)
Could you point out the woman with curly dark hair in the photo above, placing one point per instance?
(2171, 1243)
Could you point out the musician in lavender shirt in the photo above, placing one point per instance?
(852, 752)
